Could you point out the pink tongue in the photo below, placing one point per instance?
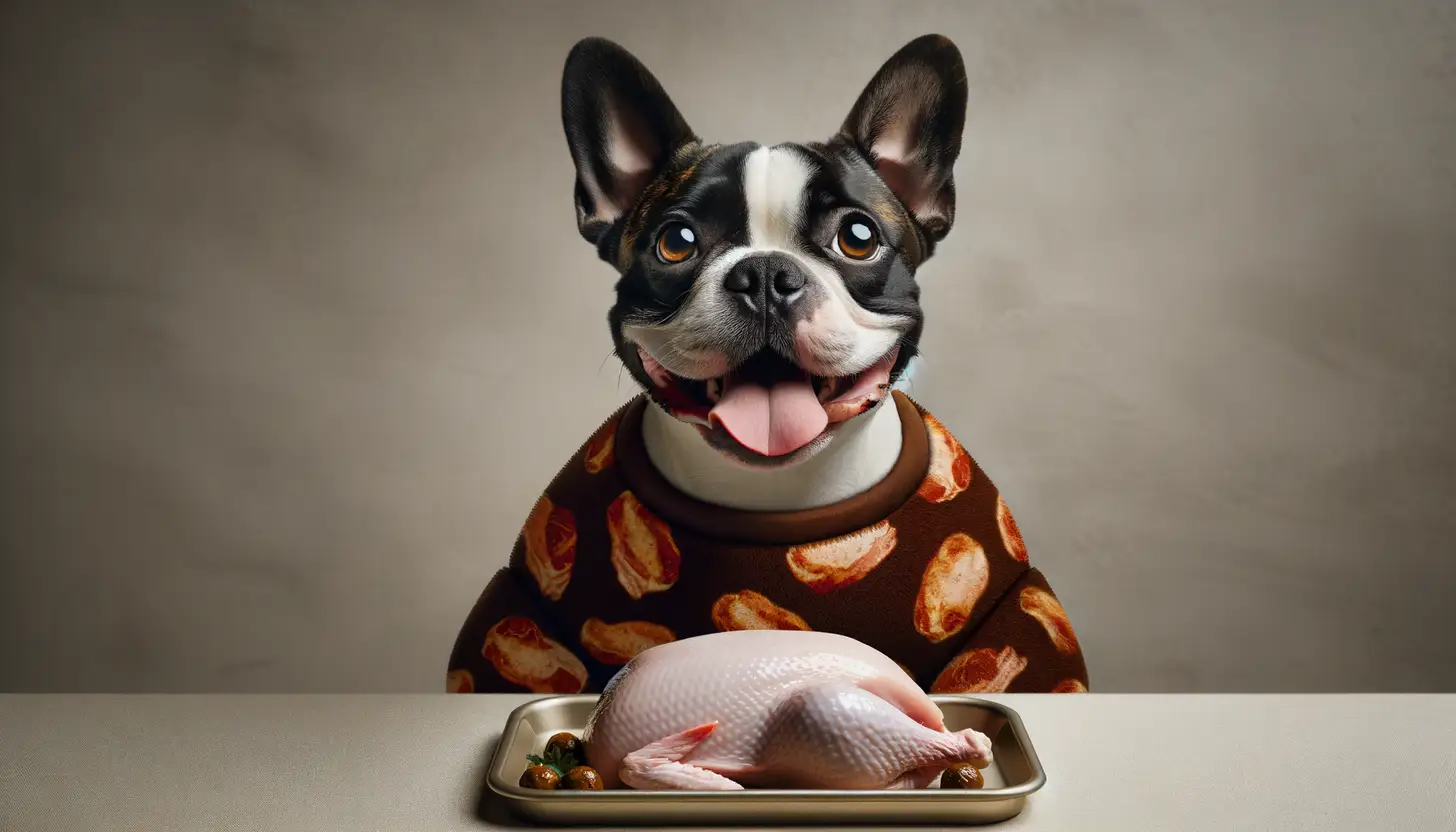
(772, 421)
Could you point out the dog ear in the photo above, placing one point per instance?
(908, 122)
(621, 127)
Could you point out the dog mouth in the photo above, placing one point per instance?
(769, 405)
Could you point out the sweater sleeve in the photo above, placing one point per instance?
(511, 643)
(1024, 645)
(524, 633)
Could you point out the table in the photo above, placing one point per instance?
(371, 763)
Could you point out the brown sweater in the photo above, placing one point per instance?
(927, 566)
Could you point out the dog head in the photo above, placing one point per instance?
(767, 293)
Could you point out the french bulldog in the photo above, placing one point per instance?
(767, 298)
(772, 476)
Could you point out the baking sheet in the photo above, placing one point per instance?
(1014, 774)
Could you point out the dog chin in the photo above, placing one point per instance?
(768, 412)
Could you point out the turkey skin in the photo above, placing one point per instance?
(771, 709)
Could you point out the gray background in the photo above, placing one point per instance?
(296, 322)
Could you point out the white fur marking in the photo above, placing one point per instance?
(775, 182)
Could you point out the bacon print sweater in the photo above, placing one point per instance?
(927, 566)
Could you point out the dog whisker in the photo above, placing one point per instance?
(610, 356)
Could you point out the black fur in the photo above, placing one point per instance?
(922, 87)
(604, 83)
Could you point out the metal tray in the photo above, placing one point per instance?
(1013, 775)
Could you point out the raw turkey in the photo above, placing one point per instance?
(771, 709)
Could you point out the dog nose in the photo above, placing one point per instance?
(742, 278)
(787, 281)
(776, 275)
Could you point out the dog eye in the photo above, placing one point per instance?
(857, 238)
(676, 243)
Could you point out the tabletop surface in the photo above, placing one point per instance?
(371, 763)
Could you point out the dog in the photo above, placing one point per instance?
(772, 475)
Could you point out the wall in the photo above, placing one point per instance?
(296, 322)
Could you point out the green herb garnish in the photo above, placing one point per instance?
(557, 760)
